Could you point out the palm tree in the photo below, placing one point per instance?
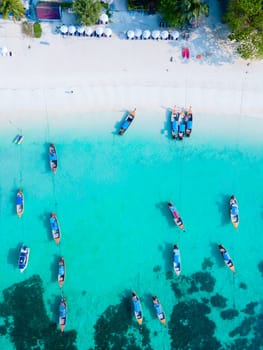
(12, 7)
(192, 9)
(199, 8)
(87, 11)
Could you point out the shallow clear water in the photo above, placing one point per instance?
(110, 196)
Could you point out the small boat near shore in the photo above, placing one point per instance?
(55, 229)
(234, 212)
(20, 203)
(53, 159)
(227, 259)
(23, 258)
(181, 123)
(19, 139)
(176, 217)
(189, 122)
(159, 310)
(127, 122)
(61, 271)
(62, 314)
(137, 308)
(177, 260)
(174, 123)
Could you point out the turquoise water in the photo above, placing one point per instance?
(110, 196)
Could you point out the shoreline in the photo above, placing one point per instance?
(110, 74)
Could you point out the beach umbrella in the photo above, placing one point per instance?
(99, 31)
(64, 29)
(138, 33)
(175, 34)
(130, 34)
(80, 29)
(108, 32)
(72, 30)
(104, 18)
(146, 34)
(164, 34)
(88, 31)
(155, 34)
(4, 51)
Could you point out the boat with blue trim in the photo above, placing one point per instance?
(234, 211)
(176, 217)
(53, 158)
(55, 229)
(127, 122)
(23, 258)
(181, 123)
(227, 259)
(137, 308)
(19, 139)
(189, 122)
(177, 260)
(61, 271)
(174, 123)
(159, 310)
(62, 314)
(20, 203)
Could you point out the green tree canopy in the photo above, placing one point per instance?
(245, 19)
(87, 11)
(180, 12)
(12, 7)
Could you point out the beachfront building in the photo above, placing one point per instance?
(48, 11)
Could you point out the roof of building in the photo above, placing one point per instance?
(48, 11)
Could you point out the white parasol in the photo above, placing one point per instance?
(130, 34)
(72, 29)
(175, 34)
(155, 34)
(146, 34)
(164, 34)
(108, 32)
(80, 29)
(138, 33)
(88, 31)
(64, 29)
(104, 18)
(99, 31)
(4, 51)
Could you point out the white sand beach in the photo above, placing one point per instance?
(112, 74)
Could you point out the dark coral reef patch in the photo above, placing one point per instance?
(116, 329)
(218, 300)
(229, 314)
(26, 321)
(190, 328)
(242, 285)
(207, 264)
(202, 281)
(250, 308)
(244, 328)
